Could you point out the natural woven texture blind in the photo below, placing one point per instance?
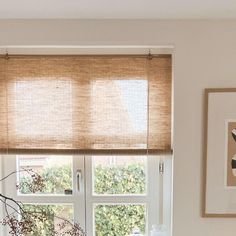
(71, 103)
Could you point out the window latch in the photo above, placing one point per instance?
(79, 177)
(161, 168)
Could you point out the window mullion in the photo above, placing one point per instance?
(79, 195)
(153, 191)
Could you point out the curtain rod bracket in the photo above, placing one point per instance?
(7, 55)
(150, 56)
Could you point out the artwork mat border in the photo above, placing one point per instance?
(205, 131)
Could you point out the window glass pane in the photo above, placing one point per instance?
(56, 172)
(122, 220)
(55, 215)
(119, 174)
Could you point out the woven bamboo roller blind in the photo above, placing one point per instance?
(71, 103)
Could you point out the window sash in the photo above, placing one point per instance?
(159, 209)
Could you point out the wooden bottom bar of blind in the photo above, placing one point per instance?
(86, 152)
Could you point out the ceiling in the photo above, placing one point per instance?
(117, 9)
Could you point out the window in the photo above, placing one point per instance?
(98, 129)
(107, 195)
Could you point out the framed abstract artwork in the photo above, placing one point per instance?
(219, 194)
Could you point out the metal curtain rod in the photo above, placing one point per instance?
(148, 56)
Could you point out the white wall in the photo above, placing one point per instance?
(205, 56)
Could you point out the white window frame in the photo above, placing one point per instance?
(157, 200)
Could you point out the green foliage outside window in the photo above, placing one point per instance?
(46, 227)
(129, 179)
(110, 220)
(119, 220)
(58, 178)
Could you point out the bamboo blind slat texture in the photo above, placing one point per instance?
(85, 103)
